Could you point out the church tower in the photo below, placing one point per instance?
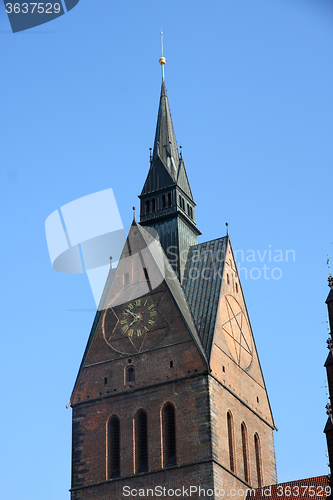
(170, 398)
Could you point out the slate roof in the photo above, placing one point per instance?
(174, 286)
(281, 491)
(202, 286)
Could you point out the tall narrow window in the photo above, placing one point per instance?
(147, 207)
(245, 452)
(113, 447)
(169, 199)
(163, 201)
(153, 205)
(231, 442)
(141, 442)
(169, 435)
(258, 459)
(130, 374)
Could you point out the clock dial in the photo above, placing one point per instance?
(237, 331)
(135, 326)
(138, 317)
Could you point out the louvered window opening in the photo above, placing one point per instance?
(114, 448)
(169, 435)
(141, 448)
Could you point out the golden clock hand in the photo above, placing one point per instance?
(136, 319)
(128, 311)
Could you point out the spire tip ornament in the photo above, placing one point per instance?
(162, 59)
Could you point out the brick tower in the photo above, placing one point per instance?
(170, 394)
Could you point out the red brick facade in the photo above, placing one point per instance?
(173, 370)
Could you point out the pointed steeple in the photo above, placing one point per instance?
(166, 201)
(165, 145)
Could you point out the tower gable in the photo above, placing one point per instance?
(213, 291)
(182, 181)
(234, 360)
(151, 279)
(158, 178)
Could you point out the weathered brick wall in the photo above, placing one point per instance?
(222, 401)
(190, 399)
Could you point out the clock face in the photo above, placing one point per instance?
(237, 331)
(138, 317)
(135, 326)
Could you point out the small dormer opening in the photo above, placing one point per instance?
(163, 201)
(170, 364)
(153, 205)
(169, 199)
(146, 273)
(228, 281)
(236, 287)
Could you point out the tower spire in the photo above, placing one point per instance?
(166, 198)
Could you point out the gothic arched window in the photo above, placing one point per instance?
(245, 452)
(113, 447)
(141, 442)
(258, 459)
(169, 435)
(230, 423)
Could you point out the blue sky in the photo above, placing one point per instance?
(249, 86)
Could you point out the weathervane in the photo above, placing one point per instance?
(162, 60)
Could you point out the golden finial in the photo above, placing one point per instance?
(162, 59)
